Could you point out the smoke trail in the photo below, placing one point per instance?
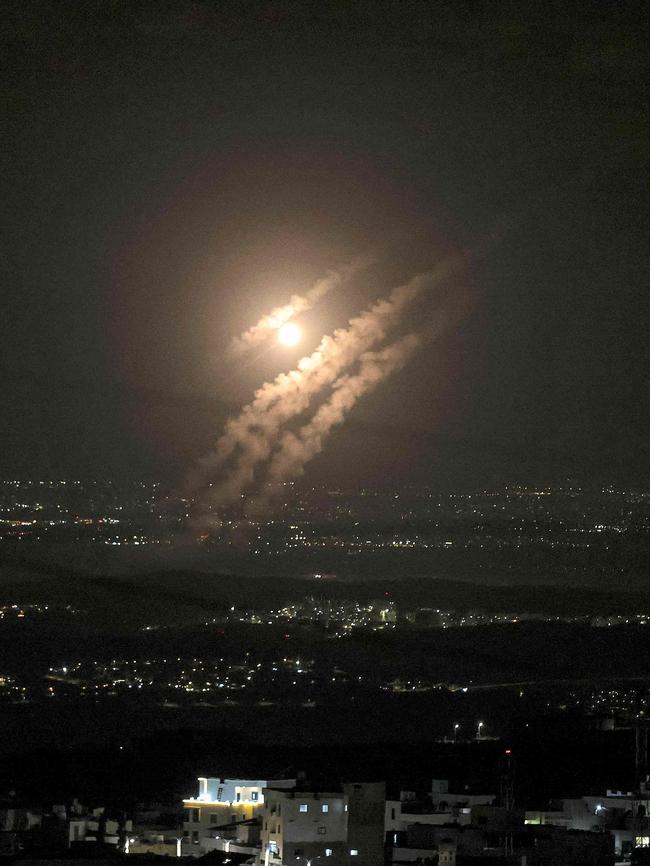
(297, 449)
(297, 304)
(250, 437)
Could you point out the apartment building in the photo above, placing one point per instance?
(342, 825)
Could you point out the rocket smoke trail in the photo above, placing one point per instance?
(250, 438)
(297, 304)
(297, 449)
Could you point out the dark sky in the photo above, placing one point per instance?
(171, 171)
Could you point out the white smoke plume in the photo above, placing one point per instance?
(258, 434)
(296, 305)
(297, 449)
(250, 438)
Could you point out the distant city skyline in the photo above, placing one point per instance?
(573, 535)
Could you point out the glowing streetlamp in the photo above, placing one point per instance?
(456, 727)
(478, 730)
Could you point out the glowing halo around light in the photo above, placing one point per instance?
(289, 334)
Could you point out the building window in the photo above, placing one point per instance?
(345, 807)
(392, 814)
(325, 807)
(233, 819)
(219, 793)
(254, 796)
(195, 836)
(238, 797)
(273, 847)
(213, 818)
(196, 815)
(322, 831)
(328, 852)
(354, 852)
(186, 832)
(304, 807)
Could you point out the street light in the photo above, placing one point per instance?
(456, 727)
(478, 730)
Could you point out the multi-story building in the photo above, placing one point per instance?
(365, 821)
(220, 802)
(222, 807)
(342, 825)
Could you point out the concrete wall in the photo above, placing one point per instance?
(312, 832)
(366, 806)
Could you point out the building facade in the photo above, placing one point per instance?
(341, 827)
(220, 803)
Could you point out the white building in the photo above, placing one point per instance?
(341, 828)
(95, 827)
(303, 825)
(222, 812)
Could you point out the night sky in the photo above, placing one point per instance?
(171, 171)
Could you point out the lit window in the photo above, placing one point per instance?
(325, 807)
(346, 807)
(254, 796)
(353, 852)
(304, 807)
(328, 852)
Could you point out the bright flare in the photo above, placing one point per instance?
(289, 334)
